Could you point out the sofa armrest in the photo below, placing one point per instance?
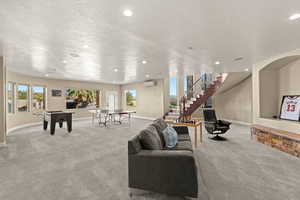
(181, 129)
(172, 172)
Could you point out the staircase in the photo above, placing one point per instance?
(173, 114)
(200, 92)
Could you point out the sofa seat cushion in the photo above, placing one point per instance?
(150, 139)
(182, 145)
(184, 137)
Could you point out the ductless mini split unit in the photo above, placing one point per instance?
(149, 83)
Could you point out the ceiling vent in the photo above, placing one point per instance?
(238, 59)
(74, 55)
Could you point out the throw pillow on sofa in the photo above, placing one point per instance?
(170, 136)
(150, 139)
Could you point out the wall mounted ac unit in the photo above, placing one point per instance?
(149, 83)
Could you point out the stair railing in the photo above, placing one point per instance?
(199, 86)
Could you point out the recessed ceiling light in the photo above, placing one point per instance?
(246, 69)
(144, 62)
(294, 16)
(116, 70)
(217, 62)
(147, 75)
(64, 61)
(85, 46)
(127, 13)
(46, 75)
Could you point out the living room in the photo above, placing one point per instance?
(110, 100)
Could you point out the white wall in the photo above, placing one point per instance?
(54, 103)
(150, 100)
(166, 91)
(289, 80)
(289, 77)
(269, 93)
(2, 101)
(235, 103)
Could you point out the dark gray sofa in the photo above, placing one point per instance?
(170, 171)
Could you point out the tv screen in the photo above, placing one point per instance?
(290, 108)
(82, 98)
(56, 93)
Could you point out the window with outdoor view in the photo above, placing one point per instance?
(22, 98)
(173, 92)
(10, 98)
(130, 98)
(38, 98)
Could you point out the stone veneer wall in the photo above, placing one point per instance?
(282, 140)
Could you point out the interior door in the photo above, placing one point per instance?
(112, 100)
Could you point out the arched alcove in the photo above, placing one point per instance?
(281, 77)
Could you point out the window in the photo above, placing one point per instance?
(10, 98)
(22, 98)
(185, 85)
(130, 98)
(38, 98)
(173, 92)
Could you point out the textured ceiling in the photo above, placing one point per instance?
(94, 37)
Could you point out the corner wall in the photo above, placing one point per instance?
(2, 101)
(289, 77)
(149, 100)
(235, 103)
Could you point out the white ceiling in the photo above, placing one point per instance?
(37, 36)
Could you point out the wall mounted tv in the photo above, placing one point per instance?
(290, 108)
(56, 93)
(82, 98)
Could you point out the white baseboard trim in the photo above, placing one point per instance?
(239, 122)
(82, 118)
(141, 117)
(3, 144)
(23, 126)
(74, 119)
(39, 123)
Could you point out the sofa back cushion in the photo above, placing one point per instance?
(134, 145)
(171, 137)
(160, 125)
(150, 139)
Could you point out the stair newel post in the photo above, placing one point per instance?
(182, 109)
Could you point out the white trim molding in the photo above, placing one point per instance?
(23, 126)
(239, 122)
(4, 144)
(74, 119)
(146, 118)
(40, 123)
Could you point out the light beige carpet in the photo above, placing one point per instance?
(91, 163)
